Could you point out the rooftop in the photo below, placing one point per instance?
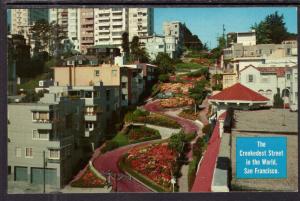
(266, 121)
(239, 92)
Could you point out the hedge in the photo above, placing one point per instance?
(192, 173)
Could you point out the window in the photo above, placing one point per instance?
(54, 154)
(288, 76)
(18, 152)
(97, 73)
(114, 73)
(89, 126)
(250, 78)
(271, 51)
(124, 85)
(107, 95)
(288, 51)
(40, 134)
(28, 152)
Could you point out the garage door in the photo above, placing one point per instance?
(37, 176)
(21, 174)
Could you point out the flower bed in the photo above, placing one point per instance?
(153, 163)
(189, 114)
(176, 102)
(88, 180)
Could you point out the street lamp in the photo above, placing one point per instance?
(173, 182)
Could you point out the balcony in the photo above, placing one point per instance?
(90, 116)
(43, 124)
(104, 36)
(87, 22)
(124, 79)
(124, 91)
(116, 23)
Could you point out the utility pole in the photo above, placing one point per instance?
(44, 172)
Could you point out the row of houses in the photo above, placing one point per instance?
(72, 118)
(265, 68)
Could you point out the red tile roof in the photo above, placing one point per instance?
(240, 93)
(280, 71)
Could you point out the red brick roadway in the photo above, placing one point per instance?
(109, 162)
(187, 125)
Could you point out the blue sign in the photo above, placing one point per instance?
(261, 157)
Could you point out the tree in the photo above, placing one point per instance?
(137, 52)
(198, 92)
(271, 30)
(190, 40)
(278, 101)
(165, 63)
(40, 34)
(57, 35)
(177, 142)
(125, 43)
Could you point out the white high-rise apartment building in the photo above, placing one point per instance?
(23, 19)
(69, 19)
(109, 25)
(141, 22)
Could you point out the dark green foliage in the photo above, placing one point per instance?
(271, 30)
(204, 71)
(164, 63)
(189, 137)
(278, 101)
(177, 142)
(198, 148)
(141, 116)
(110, 145)
(190, 40)
(192, 173)
(206, 129)
(137, 53)
(164, 78)
(217, 87)
(198, 92)
(125, 44)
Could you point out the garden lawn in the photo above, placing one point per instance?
(187, 66)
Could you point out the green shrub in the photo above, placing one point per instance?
(192, 173)
(164, 78)
(189, 137)
(206, 129)
(110, 145)
(121, 139)
(198, 148)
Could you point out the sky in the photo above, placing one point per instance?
(207, 23)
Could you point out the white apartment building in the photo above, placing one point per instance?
(156, 44)
(69, 19)
(109, 25)
(141, 22)
(246, 38)
(265, 80)
(23, 19)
